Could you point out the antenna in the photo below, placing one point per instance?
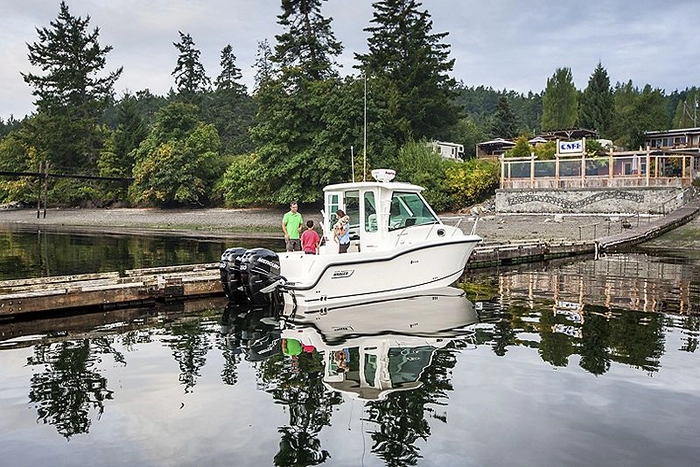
(364, 146)
(352, 162)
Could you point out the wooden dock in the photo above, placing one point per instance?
(636, 235)
(137, 287)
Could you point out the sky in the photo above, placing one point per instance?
(503, 44)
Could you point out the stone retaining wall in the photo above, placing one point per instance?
(593, 200)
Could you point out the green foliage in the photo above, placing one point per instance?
(546, 151)
(17, 156)
(593, 147)
(522, 148)
(191, 80)
(420, 164)
(307, 48)
(504, 123)
(71, 94)
(179, 161)
(597, 105)
(404, 51)
(480, 103)
(472, 181)
(637, 112)
(467, 133)
(242, 183)
(687, 109)
(230, 109)
(560, 101)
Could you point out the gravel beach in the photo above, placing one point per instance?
(265, 223)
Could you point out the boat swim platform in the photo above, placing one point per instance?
(110, 290)
(150, 286)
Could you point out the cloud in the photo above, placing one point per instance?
(504, 44)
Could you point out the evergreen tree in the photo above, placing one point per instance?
(228, 79)
(230, 108)
(687, 109)
(190, 78)
(306, 50)
(597, 104)
(264, 67)
(505, 122)
(637, 112)
(293, 107)
(404, 51)
(71, 97)
(559, 103)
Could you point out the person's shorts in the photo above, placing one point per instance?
(343, 247)
(293, 244)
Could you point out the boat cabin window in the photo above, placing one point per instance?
(332, 204)
(409, 209)
(352, 209)
(370, 213)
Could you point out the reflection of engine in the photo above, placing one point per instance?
(250, 275)
(254, 331)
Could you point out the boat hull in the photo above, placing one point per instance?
(333, 280)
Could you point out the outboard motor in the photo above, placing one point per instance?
(260, 268)
(229, 267)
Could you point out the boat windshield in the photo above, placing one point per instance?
(409, 209)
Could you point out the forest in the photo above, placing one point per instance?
(212, 142)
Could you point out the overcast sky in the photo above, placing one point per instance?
(505, 44)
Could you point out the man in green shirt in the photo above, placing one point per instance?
(291, 226)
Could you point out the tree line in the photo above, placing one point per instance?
(215, 142)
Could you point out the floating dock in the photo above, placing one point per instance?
(104, 291)
(145, 287)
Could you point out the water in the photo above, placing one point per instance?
(50, 253)
(576, 362)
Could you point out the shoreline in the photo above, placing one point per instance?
(266, 223)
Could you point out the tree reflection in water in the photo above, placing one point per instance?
(70, 391)
(70, 387)
(190, 344)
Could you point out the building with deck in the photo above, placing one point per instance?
(654, 180)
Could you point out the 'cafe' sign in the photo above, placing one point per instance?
(569, 147)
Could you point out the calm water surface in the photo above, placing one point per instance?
(572, 363)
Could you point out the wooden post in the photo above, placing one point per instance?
(648, 156)
(503, 168)
(38, 196)
(46, 187)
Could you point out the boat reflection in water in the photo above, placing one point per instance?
(373, 349)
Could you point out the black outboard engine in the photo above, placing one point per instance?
(230, 269)
(259, 269)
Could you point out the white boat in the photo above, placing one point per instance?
(399, 246)
(371, 350)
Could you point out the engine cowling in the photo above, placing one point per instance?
(260, 268)
(230, 269)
